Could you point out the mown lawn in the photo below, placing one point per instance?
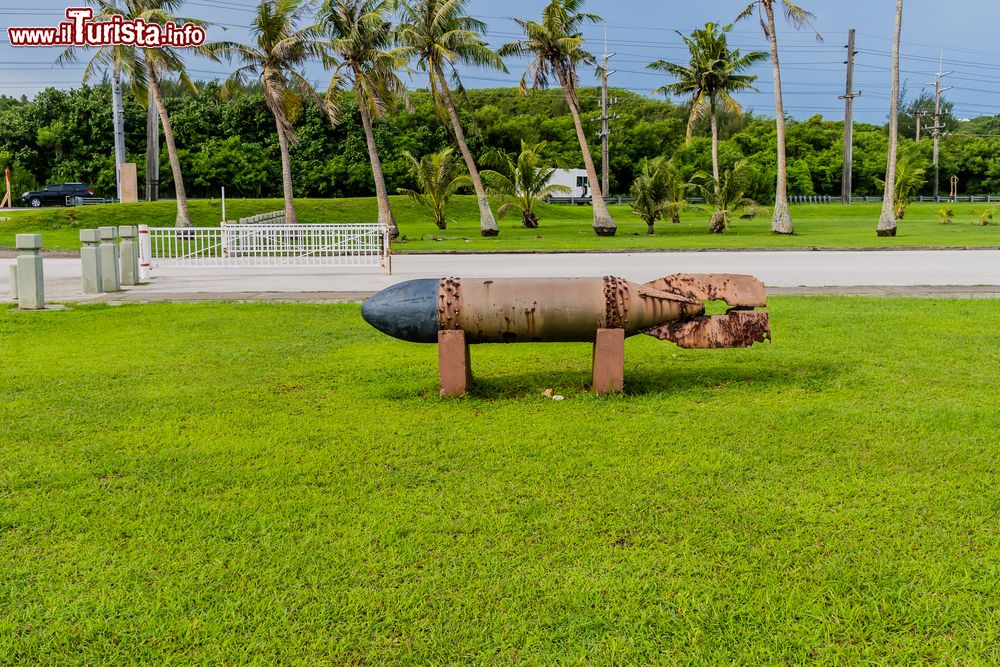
(280, 484)
(563, 227)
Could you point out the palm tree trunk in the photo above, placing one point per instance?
(487, 223)
(781, 223)
(603, 224)
(183, 213)
(381, 193)
(887, 221)
(715, 143)
(286, 174)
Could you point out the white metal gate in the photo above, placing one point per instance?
(354, 245)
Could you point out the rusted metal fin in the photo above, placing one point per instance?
(736, 290)
(739, 328)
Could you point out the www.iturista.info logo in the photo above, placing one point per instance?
(81, 30)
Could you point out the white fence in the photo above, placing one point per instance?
(353, 245)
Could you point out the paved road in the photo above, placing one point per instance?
(792, 269)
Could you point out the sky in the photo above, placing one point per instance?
(958, 36)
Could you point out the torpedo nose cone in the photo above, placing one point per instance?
(407, 311)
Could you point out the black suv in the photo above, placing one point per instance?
(56, 194)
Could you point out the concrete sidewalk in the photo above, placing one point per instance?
(914, 273)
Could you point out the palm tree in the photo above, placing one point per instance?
(144, 69)
(440, 36)
(279, 47)
(781, 223)
(887, 221)
(726, 197)
(710, 78)
(363, 58)
(522, 182)
(438, 178)
(555, 45)
(659, 189)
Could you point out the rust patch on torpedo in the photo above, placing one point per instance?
(738, 328)
(734, 289)
(449, 304)
(615, 303)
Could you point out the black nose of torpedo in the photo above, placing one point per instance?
(407, 311)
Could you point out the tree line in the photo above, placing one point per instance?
(266, 130)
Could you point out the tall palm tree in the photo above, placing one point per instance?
(144, 69)
(887, 221)
(361, 53)
(441, 36)
(781, 223)
(710, 78)
(280, 46)
(438, 179)
(555, 45)
(521, 182)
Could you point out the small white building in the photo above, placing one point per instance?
(574, 179)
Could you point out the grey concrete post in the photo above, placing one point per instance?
(110, 281)
(129, 249)
(90, 261)
(13, 281)
(30, 279)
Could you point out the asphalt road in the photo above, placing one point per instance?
(789, 269)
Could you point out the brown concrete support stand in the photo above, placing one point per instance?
(609, 361)
(454, 370)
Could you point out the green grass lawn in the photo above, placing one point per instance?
(280, 484)
(563, 227)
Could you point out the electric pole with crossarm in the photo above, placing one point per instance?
(848, 98)
(936, 130)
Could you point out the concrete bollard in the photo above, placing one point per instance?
(30, 279)
(110, 281)
(129, 250)
(13, 281)
(90, 261)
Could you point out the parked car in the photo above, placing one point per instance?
(56, 194)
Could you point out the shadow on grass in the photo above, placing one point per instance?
(667, 380)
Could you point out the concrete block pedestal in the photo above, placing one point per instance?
(90, 261)
(30, 278)
(454, 369)
(609, 361)
(110, 280)
(129, 251)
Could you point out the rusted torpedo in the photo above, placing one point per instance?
(604, 311)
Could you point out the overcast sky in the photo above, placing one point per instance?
(640, 31)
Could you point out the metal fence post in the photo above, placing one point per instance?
(145, 253)
(30, 278)
(90, 261)
(110, 280)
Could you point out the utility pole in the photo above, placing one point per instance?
(918, 115)
(118, 117)
(848, 97)
(152, 150)
(936, 130)
(606, 118)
